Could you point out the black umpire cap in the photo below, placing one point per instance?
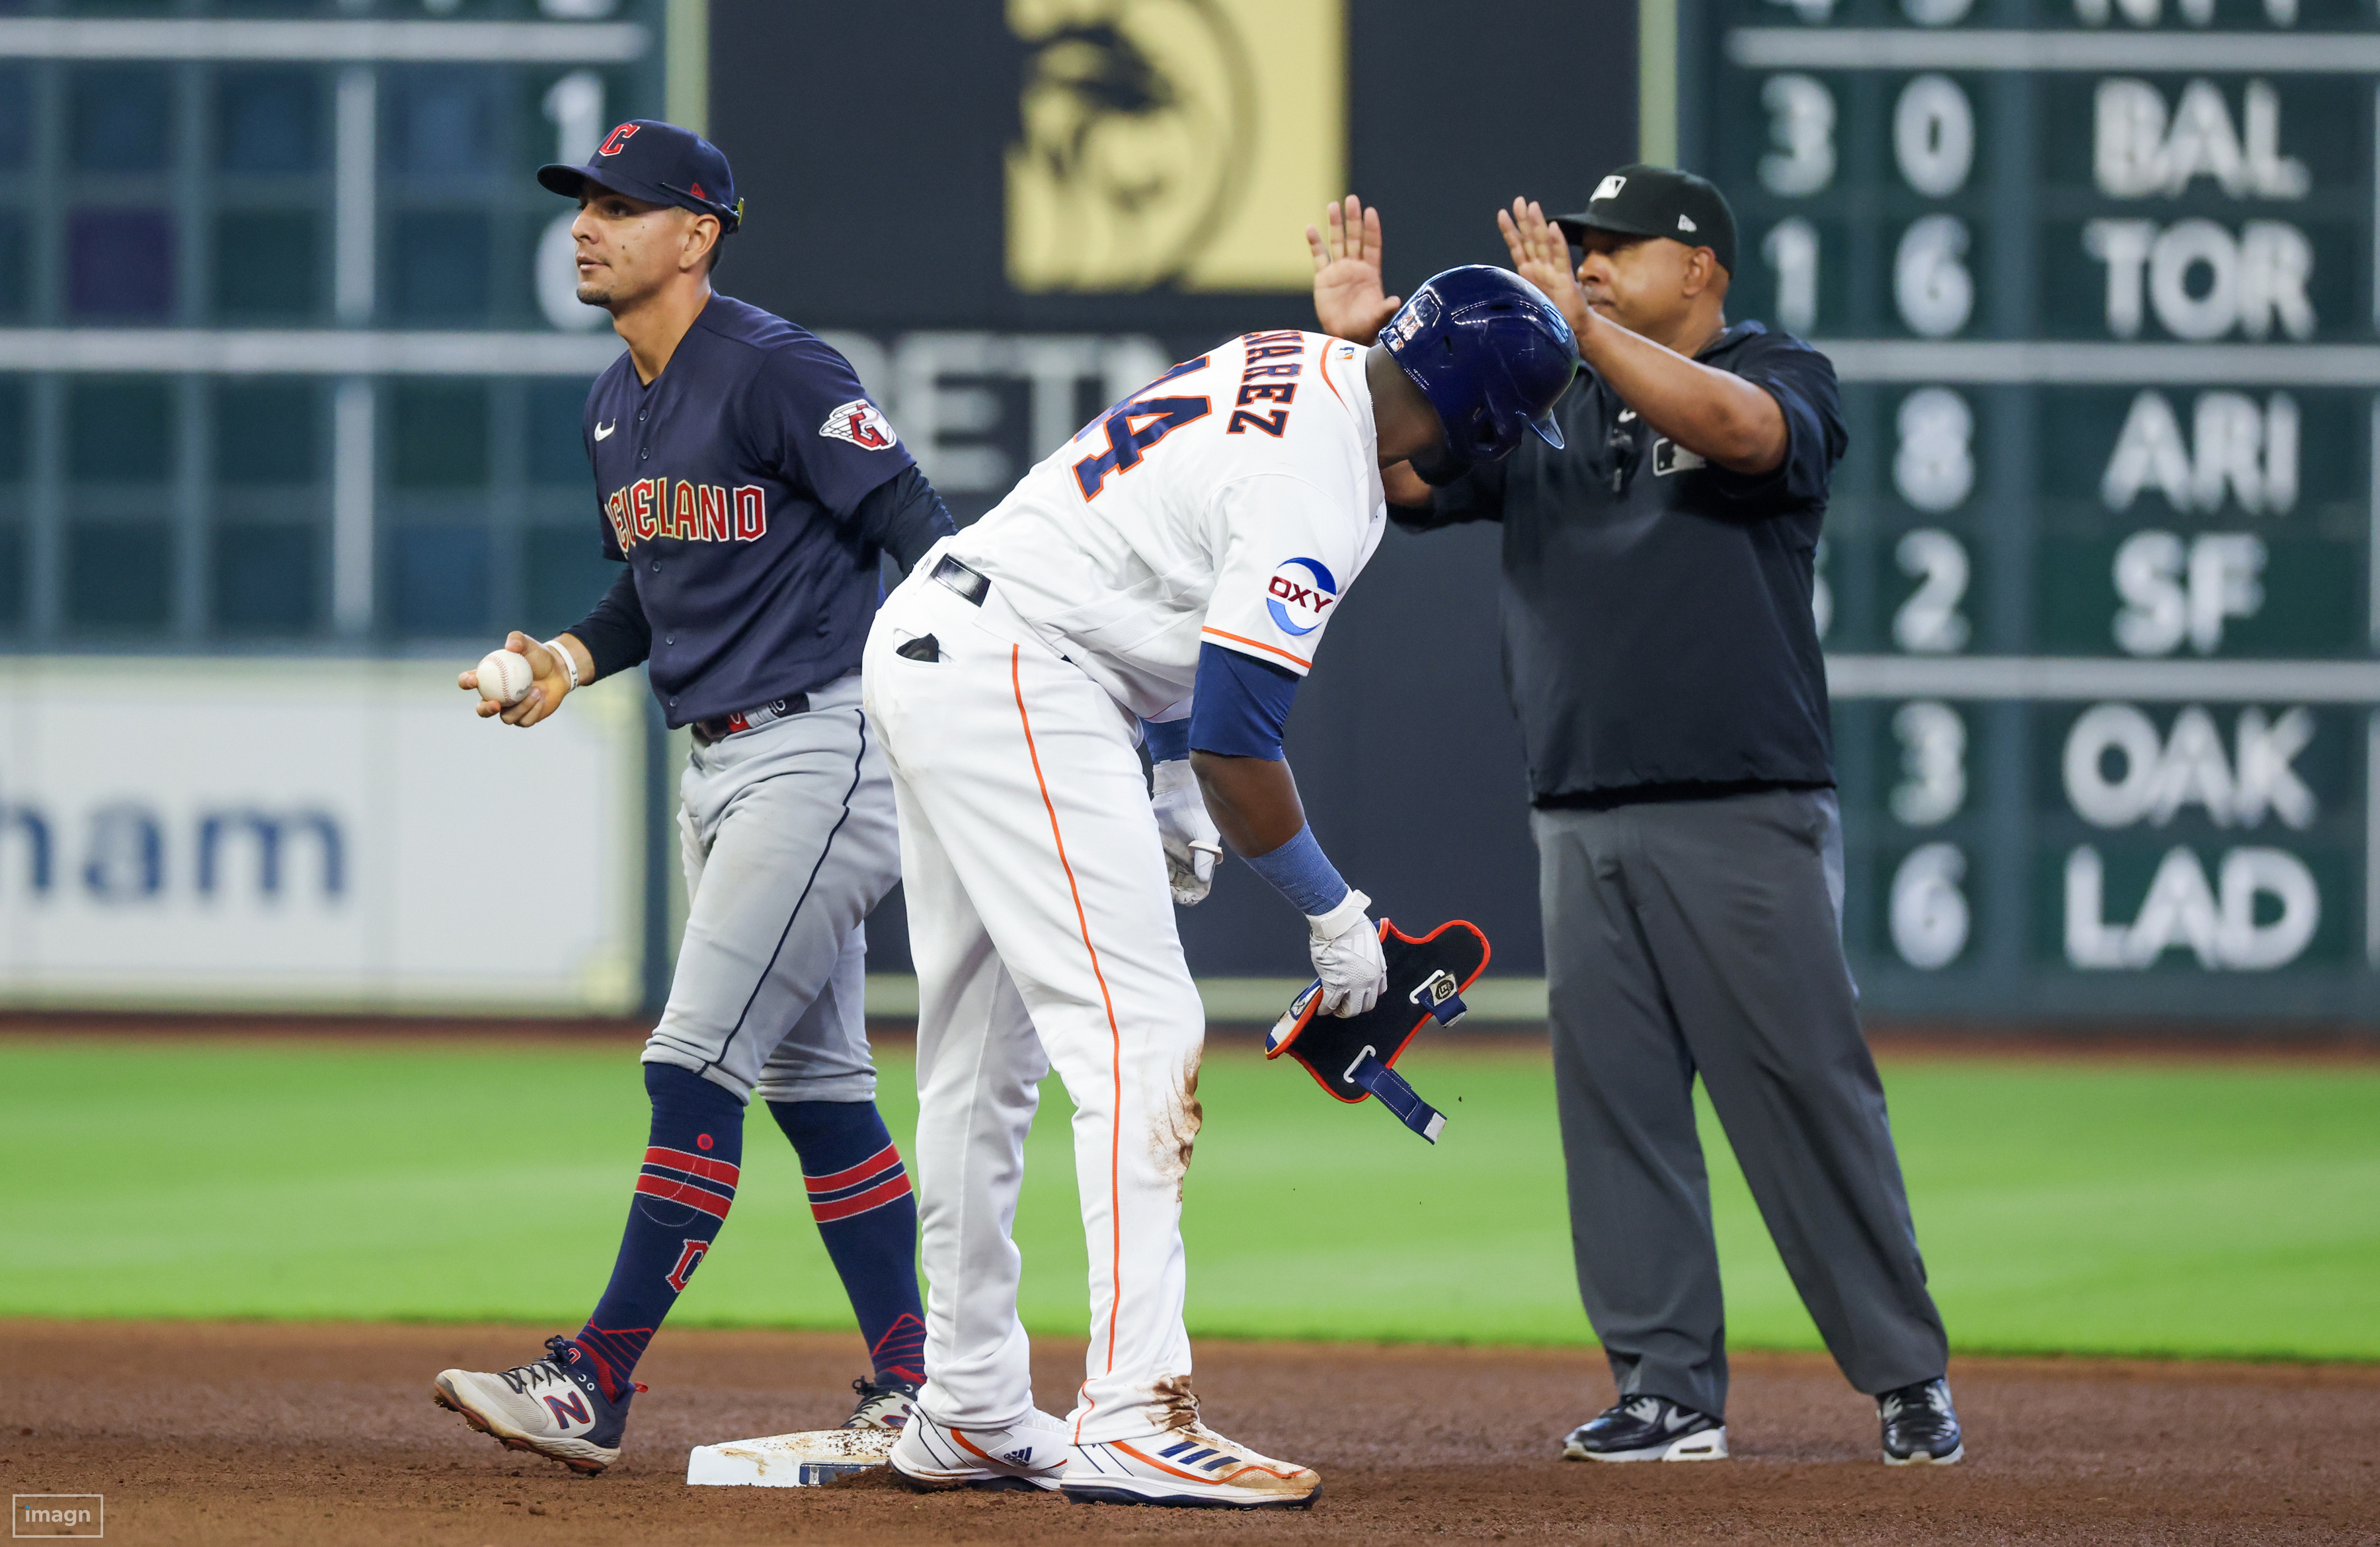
(1658, 201)
(660, 163)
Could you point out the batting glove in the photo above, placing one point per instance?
(1345, 946)
(1191, 844)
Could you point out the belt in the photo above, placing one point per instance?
(973, 588)
(719, 727)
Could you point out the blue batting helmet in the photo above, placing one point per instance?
(1490, 353)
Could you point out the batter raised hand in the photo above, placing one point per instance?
(1541, 255)
(1348, 296)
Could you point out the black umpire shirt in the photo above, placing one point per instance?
(1657, 636)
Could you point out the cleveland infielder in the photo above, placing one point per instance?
(748, 485)
(1176, 563)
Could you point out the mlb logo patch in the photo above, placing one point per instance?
(861, 424)
(1608, 189)
(1668, 457)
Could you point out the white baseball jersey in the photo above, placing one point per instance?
(1229, 502)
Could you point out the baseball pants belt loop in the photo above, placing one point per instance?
(969, 585)
(719, 727)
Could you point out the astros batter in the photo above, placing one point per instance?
(1178, 562)
(747, 486)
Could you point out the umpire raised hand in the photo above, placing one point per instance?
(1660, 653)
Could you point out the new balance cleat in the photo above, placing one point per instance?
(1920, 1425)
(931, 1457)
(1191, 1468)
(1648, 1429)
(885, 1405)
(553, 1406)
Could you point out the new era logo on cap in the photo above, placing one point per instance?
(1658, 201)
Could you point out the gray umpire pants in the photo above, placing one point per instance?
(1704, 936)
(788, 839)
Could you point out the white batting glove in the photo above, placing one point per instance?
(1345, 946)
(1192, 843)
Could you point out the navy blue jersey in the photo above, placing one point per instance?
(729, 485)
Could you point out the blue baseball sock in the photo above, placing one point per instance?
(688, 1180)
(859, 1194)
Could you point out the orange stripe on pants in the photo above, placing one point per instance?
(1115, 1061)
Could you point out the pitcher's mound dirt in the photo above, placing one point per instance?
(204, 1432)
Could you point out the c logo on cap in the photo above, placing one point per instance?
(1608, 188)
(618, 140)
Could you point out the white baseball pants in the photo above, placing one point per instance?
(1043, 935)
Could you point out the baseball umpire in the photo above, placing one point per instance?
(1662, 656)
(747, 487)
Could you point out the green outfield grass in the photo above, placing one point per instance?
(2227, 1209)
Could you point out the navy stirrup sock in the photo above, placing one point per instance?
(868, 1216)
(682, 1192)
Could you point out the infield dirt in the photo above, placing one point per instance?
(213, 1432)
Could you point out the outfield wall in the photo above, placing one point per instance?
(337, 835)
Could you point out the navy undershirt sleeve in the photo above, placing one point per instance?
(1241, 704)
(1167, 740)
(903, 517)
(617, 634)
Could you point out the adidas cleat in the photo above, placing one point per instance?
(553, 1406)
(1191, 1468)
(1031, 1453)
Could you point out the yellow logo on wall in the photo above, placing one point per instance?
(1183, 142)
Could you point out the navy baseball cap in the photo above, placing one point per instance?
(1643, 201)
(660, 163)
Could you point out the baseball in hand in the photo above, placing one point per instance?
(504, 678)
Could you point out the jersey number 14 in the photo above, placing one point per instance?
(1134, 425)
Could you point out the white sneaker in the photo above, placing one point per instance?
(1188, 1467)
(552, 1405)
(1030, 1454)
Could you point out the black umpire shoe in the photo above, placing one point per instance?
(1648, 1429)
(1919, 1425)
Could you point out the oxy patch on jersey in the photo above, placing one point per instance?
(1298, 593)
(861, 424)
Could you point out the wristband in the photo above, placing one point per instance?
(1350, 912)
(569, 661)
(1299, 871)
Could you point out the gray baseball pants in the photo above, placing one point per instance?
(787, 835)
(1704, 936)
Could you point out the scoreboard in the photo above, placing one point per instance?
(2098, 585)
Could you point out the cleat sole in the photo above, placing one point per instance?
(1708, 1446)
(1958, 1453)
(1111, 1493)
